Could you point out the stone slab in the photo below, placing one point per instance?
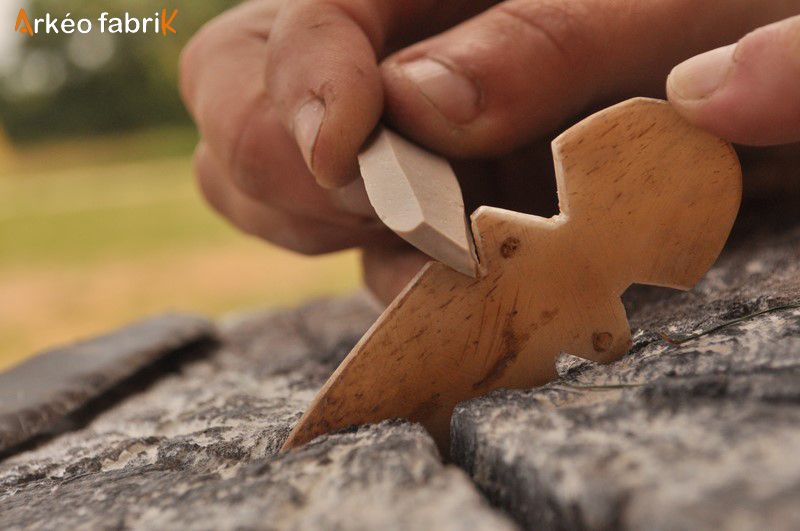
(38, 393)
(197, 447)
(696, 435)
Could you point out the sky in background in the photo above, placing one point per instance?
(8, 38)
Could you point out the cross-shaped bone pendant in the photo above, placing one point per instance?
(644, 198)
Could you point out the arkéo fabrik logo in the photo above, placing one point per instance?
(158, 23)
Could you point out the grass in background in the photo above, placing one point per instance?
(95, 233)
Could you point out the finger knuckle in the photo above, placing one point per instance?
(236, 132)
(311, 237)
(206, 181)
(564, 26)
(249, 161)
(310, 241)
(290, 232)
(190, 54)
(191, 58)
(783, 36)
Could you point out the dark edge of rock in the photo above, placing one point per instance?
(672, 436)
(572, 454)
(38, 394)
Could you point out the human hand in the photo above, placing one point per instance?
(748, 92)
(284, 98)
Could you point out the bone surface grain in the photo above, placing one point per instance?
(644, 198)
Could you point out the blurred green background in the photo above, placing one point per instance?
(100, 222)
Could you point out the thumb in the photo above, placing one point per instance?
(522, 68)
(322, 77)
(322, 73)
(748, 92)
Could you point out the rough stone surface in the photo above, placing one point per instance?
(194, 444)
(37, 394)
(697, 435)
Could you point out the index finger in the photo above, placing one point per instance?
(322, 73)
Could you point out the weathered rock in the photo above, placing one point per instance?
(197, 447)
(698, 434)
(694, 435)
(38, 393)
(380, 477)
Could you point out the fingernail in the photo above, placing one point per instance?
(702, 75)
(452, 93)
(307, 123)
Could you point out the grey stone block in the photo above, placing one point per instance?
(38, 393)
(696, 435)
(197, 448)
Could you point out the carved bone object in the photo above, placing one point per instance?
(644, 198)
